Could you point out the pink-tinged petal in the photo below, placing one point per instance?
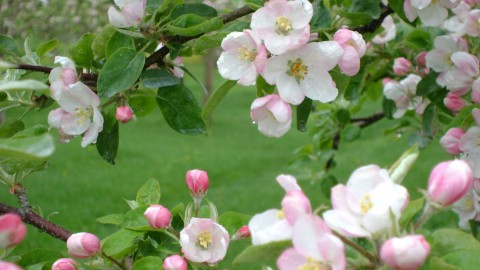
(269, 127)
(339, 198)
(457, 81)
(280, 109)
(266, 227)
(366, 178)
(437, 59)
(345, 224)
(230, 67)
(234, 41)
(57, 89)
(290, 259)
(302, 15)
(476, 91)
(276, 67)
(260, 102)
(55, 74)
(350, 61)
(325, 54)
(134, 13)
(318, 85)
(55, 117)
(466, 62)
(289, 90)
(295, 205)
(288, 182)
(332, 251)
(420, 4)
(476, 115)
(117, 18)
(263, 19)
(96, 127)
(306, 231)
(468, 142)
(65, 62)
(73, 124)
(433, 15)
(410, 12)
(249, 77)
(261, 59)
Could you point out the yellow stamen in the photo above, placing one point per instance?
(283, 25)
(204, 239)
(297, 69)
(365, 203)
(312, 264)
(83, 114)
(281, 214)
(245, 54)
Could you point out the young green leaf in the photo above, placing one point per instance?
(216, 97)
(149, 193)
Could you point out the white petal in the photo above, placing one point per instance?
(344, 223)
(318, 85)
(289, 89)
(433, 15)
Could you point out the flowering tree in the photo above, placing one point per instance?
(320, 58)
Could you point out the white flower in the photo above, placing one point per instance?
(204, 240)
(273, 115)
(131, 13)
(243, 57)
(439, 59)
(404, 95)
(431, 12)
(304, 72)
(282, 24)
(389, 31)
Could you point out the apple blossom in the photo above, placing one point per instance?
(124, 114)
(288, 182)
(272, 114)
(78, 114)
(304, 72)
(451, 140)
(461, 75)
(453, 102)
(175, 262)
(12, 230)
(449, 181)
(158, 216)
(83, 245)
(467, 208)
(401, 66)
(354, 48)
(269, 226)
(405, 253)
(421, 59)
(204, 240)
(66, 74)
(9, 266)
(431, 12)
(365, 205)
(197, 182)
(404, 95)
(283, 25)
(65, 264)
(295, 204)
(469, 145)
(131, 13)
(476, 91)
(439, 59)
(243, 58)
(389, 31)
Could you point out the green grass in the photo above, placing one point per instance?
(242, 164)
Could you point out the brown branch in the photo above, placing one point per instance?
(89, 79)
(35, 220)
(371, 257)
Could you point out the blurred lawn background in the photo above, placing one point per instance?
(79, 186)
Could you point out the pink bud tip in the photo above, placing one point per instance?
(421, 59)
(454, 102)
(401, 66)
(8, 266)
(451, 141)
(406, 253)
(197, 182)
(242, 233)
(83, 245)
(295, 204)
(124, 114)
(449, 181)
(158, 216)
(65, 264)
(175, 262)
(12, 230)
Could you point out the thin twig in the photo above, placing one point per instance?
(371, 257)
(114, 261)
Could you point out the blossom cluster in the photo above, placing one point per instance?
(278, 48)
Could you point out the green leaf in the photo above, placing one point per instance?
(115, 219)
(37, 256)
(321, 17)
(428, 85)
(342, 80)
(216, 97)
(180, 109)
(461, 116)
(142, 102)
(82, 53)
(446, 241)
(232, 221)
(343, 117)
(418, 139)
(413, 208)
(23, 85)
(263, 88)
(10, 127)
(254, 4)
(198, 9)
(207, 42)
(120, 244)
(465, 259)
(437, 263)
(351, 133)
(99, 45)
(369, 7)
(155, 78)
(149, 193)
(31, 147)
(120, 72)
(429, 117)
(8, 46)
(118, 41)
(135, 220)
(397, 6)
(192, 25)
(31, 131)
(388, 107)
(108, 139)
(303, 112)
(47, 46)
(148, 263)
(419, 39)
(327, 184)
(262, 252)
(6, 65)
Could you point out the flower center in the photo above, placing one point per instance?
(83, 114)
(365, 203)
(283, 25)
(204, 239)
(312, 264)
(297, 69)
(245, 54)
(281, 214)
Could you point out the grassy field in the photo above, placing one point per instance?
(79, 186)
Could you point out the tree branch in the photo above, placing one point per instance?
(374, 24)
(35, 220)
(89, 79)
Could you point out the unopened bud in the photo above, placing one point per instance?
(197, 182)
(454, 102)
(158, 216)
(83, 245)
(65, 264)
(9, 266)
(175, 262)
(242, 233)
(124, 114)
(421, 59)
(451, 141)
(401, 66)
(406, 253)
(12, 230)
(449, 181)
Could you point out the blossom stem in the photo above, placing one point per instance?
(371, 257)
(428, 212)
(119, 265)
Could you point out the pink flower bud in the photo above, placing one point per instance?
(242, 233)
(421, 60)
(65, 264)
(401, 66)
(12, 230)
(454, 102)
(476, 186)
(451, 141)
(197, 182)
(476, 91)
(386, 80)
(158, 216)
(8, 266)
(295, 204)
(124, 114)
(83, 245)
(449, 181)
(175, 262)
(406, 253)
